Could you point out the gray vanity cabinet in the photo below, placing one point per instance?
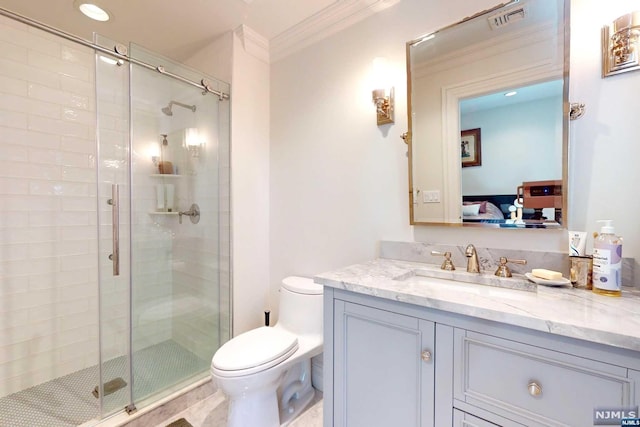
(383, 368)
(389, 363)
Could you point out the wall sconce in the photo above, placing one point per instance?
(193, 142)
(383, 100)
(621, 45)
(382, 95)
(153, 151)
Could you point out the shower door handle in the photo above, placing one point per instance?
(114, 201)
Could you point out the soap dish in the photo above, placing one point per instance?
(540, 281)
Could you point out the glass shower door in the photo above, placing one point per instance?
(163, 196)
(176, 314)
(114, 389)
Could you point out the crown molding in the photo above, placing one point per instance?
(328, 21)
(253, 43)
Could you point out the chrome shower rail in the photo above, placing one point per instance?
(118, 52)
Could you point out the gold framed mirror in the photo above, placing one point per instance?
(477, 157)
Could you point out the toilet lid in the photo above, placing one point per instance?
(261, 346)
(302, 285)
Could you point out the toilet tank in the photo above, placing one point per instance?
(300, 306)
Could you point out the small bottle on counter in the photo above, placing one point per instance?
(607, 261)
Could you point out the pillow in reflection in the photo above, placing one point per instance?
(471, 210)
(483, 205)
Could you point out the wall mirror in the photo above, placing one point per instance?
(476, 156)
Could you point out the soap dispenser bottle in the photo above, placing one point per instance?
(607, 261)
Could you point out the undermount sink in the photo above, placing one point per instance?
(518, 281)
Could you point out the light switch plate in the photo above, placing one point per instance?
(431, 196)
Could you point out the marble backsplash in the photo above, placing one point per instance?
(490, 258)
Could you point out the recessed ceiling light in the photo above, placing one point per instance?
(92, 10)
(510, 93)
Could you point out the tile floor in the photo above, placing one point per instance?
(212, 412)
(68, 401)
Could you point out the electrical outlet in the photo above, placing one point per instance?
(431, 196)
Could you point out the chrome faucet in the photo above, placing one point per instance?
(473, 265)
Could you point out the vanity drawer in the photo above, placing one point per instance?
(536, 385)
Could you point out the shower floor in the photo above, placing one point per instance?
(67, 401)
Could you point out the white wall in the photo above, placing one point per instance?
(605, 147)
(250, 186)
(339, 183)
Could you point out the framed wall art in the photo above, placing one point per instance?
(470, 148)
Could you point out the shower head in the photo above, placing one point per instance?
(167, 110)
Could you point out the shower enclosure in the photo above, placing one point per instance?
(114, 227)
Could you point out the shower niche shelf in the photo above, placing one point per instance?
(164, 213)
(165, 175)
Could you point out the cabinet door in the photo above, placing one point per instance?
(383, 368)
(634, 376)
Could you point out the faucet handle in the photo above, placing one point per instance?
(447, 264)
(193, 213)
(503, 269)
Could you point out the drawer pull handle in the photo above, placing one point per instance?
(426, 355)
(535, 389)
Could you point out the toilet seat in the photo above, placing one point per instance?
(254, 351)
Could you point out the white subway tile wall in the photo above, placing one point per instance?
(48, 239)
(176, 292)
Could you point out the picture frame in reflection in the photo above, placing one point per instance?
(470, 148)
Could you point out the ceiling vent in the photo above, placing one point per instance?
(509, 16)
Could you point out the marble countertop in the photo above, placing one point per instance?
(565, 311)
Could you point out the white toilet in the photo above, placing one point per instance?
(266, 372)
